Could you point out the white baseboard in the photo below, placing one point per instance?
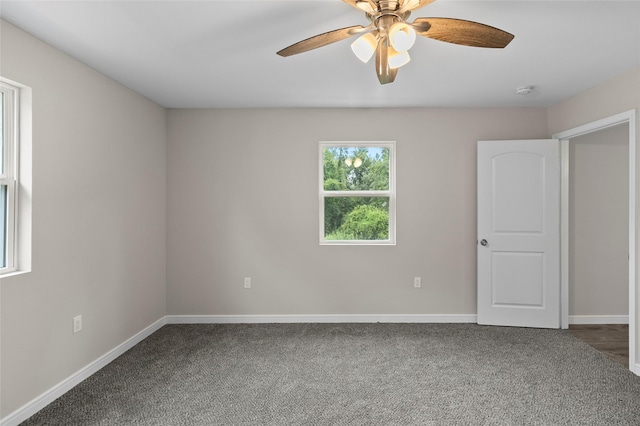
(31, 408)
(267, 319)
(598, 319)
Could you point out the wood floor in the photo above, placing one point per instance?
(610, 339)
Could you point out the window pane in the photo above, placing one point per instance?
(3, 226)
(356, 218)
(2, 118)
(356, 168)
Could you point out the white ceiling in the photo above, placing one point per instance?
(214, 53)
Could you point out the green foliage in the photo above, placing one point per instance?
(356, 218)
(371, 175)
(366, 222)
(335, 210)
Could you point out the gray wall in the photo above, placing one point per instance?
(599, 218)
(243, 202)
(99, 195)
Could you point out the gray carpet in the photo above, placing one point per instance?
(353, 374)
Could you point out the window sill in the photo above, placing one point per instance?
(13, 273)
(357, 243)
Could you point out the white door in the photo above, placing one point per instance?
(519, 233)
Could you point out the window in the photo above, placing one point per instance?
(357, 192)
(9, 185)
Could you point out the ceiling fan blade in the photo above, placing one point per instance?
(412, 5)
(385, 73)
(368, 6)
(321, 40)
(459, 31)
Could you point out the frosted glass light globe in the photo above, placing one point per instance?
(402, 36)
(364, 47)
(397, 59)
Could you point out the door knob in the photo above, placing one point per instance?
(484, 242)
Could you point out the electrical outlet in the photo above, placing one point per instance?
(417, 282)
(77, 323)
(247, 282)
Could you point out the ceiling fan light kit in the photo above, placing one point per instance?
(389, 36)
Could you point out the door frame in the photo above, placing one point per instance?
(564, 137)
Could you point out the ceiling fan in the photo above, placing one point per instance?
(389, 36)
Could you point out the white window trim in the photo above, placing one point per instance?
(17, 176)
(10, 110)
(391, 192)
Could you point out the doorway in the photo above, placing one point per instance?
(598, 240)
(599, 227)
(628, 119)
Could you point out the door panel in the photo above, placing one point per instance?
(517, 205)
(530, 269)
(519, 233)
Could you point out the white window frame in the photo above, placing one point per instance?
(10, 170)
(390, 193)
(17, 175)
